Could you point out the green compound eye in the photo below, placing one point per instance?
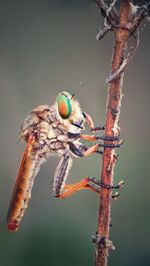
(64, 106)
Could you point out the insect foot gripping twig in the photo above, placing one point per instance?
(107, 186)
(99, 184)
(99, 128)
(100, 240)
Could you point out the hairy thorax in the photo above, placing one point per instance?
(50, 135)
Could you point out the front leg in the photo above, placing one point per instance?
(94, 138)
(118, 141)
(90, 123)
(81, 150)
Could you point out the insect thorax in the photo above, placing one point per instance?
(49, 131)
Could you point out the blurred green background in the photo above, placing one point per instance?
(47, 45)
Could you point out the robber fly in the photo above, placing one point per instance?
(53, 130)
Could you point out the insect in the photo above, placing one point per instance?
(53, 130)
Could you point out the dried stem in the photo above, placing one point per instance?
(121, 33)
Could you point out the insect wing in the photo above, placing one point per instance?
(28, 169)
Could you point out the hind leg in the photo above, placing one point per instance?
(87, 183)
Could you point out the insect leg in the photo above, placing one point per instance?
(90, 123)
(63, 169)
(94, 138)
(71, 189)
(105, 138)
(61, 174)
(87, 183)
(87, 137)
(65, 165)
(82, 151)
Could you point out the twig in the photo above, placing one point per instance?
(104, 8)
(102, 33)
(114, 97)
(110, 15)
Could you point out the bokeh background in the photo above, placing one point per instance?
(47, 45)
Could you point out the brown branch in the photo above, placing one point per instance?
(113, 106)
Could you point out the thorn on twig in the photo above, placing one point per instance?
(101, 241)
(100, 35)
(116, 157)
(121, 184)
(110, 224)
(116, 195)
(118, 186)
(121, 142)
